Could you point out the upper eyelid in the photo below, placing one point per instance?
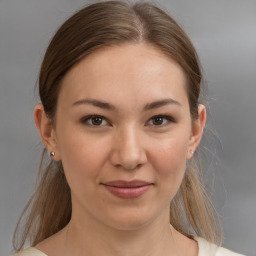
(162, 115)
(167, 117)
(86, 118)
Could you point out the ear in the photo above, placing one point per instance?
(197, 131)
(46, 131)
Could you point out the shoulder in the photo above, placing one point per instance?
(225, 252)
(30, 252)
(208, 249)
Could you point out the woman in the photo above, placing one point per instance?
(121, 119)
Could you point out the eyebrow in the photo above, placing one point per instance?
(160, 103)
(108, 106)
(96, 103)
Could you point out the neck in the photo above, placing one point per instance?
(93, 238)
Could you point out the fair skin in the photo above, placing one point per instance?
(144, 132)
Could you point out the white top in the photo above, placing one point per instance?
(208, 249)
(205, 249)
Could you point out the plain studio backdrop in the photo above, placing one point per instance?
(223, 32)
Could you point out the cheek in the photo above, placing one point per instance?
(82, 156)
(169, 159)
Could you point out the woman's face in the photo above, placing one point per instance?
(123, 133)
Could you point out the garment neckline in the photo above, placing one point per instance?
(203, 247)
(34, 249)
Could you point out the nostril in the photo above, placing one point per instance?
(128, 168)
(137, 166)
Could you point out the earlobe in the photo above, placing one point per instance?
(46, 130)
(197, 131)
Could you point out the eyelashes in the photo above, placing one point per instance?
(100, 121)
(161, 120)
(94, 120)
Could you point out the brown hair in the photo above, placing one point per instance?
(95, 26)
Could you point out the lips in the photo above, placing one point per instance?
(127, 184)
(127, 189)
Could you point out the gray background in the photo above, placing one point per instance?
(224, 33)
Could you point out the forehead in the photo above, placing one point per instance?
(138, 72)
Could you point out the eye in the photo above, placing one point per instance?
(161, 120)
(94, 120)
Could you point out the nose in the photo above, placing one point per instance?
(128, 151)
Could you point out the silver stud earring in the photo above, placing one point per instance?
(52, 154)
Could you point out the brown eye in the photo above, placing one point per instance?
(161, 120)
(157, 120)
(96, 120)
